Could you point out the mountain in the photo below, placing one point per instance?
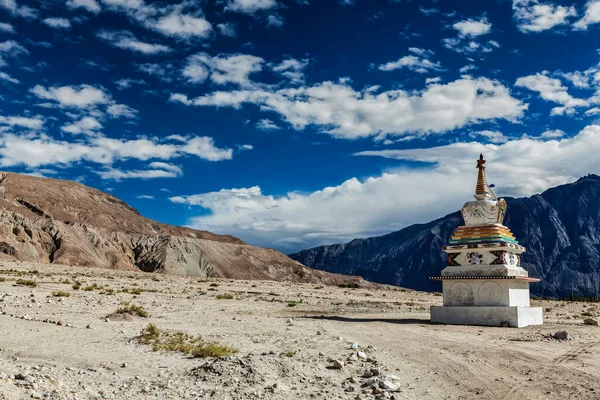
(560, 229)
(57, 221)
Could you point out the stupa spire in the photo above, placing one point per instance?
(482, 189)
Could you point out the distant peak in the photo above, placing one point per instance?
(588, 177)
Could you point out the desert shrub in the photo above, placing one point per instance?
(76, 285)
(2, 279)
(93, 286)
(131, 290)
(132, 309)
(294, 303)
(214, 285)
(288, 353)
(26, 282)
(177, 341)
(224, 297)
(60, 293)
(108, 291)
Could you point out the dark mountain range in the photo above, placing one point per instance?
(560, 229)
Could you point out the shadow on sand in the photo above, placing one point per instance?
(401, 321)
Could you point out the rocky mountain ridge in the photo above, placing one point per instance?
(56, 221)
(560, 229)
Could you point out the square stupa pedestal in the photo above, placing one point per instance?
(487, 301)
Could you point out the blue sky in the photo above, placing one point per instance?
(294, 123)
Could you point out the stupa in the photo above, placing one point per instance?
(484, 283)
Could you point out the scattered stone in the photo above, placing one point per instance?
(367, 373)
(318, 332)
(374, 371)
(590, 321)
(562, 335)
(124, 365)
(338, 364)
(354, 346)
(361, 355)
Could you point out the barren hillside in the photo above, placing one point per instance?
(56, 221)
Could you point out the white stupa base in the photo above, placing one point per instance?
(516, 317)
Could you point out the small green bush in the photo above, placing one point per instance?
(60, 293)
(224, 297)
(132, 309)
(26, 282)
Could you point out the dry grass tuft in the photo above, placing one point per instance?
(26, 282)
(132, 309)
(60, 293)
(181, 342)
(224, 297)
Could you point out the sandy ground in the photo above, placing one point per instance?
(281, 356)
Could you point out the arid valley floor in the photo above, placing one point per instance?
(65, 348)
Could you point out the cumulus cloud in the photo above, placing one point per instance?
(266, 125)
(222, 69)
(57, 23)
(183, 26)
(82, 96)
(154, 170)
(18, 10)
(468, 32)
(290, 68)
(227, 29)
(250, 6)
(552, 89)
(34, 123)
(343, 112)
(492, 136)
(472, 27)
(552, 134)
(418, 62)
(38, 150)
(6, 77)
(533, 16)
(294, 221)
(89, 5)
(591, 15)
(10, 49)
(121, 110)
(6, 27)
(127, 40)
(86, 125)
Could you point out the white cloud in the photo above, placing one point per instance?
(473, 28)
(183, 26)
(467, 68)
(10, 48)
(227, 29)
(345, 113)
(222, 69)
(6, 77)
(34, 123)
(151, 173)
(468, 32)
(36, 150)
(492, 136)
(121, 110)
(520, 167)
(6, 27)
(419, 63)
(291, 69)
(429, 11)
(82, 96)
(90, 5)
(275, 21)
(123, 83)
(593, 111)
(551, 89)
(127, 40)
(144, 197)
(250, 6)
(436, 79)
(266, 125)
(533, 16)
(86, 125)
(18, 10)
(591, 15)
(58, 23)
(552, 134)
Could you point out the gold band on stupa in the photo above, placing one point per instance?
(482, 187)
